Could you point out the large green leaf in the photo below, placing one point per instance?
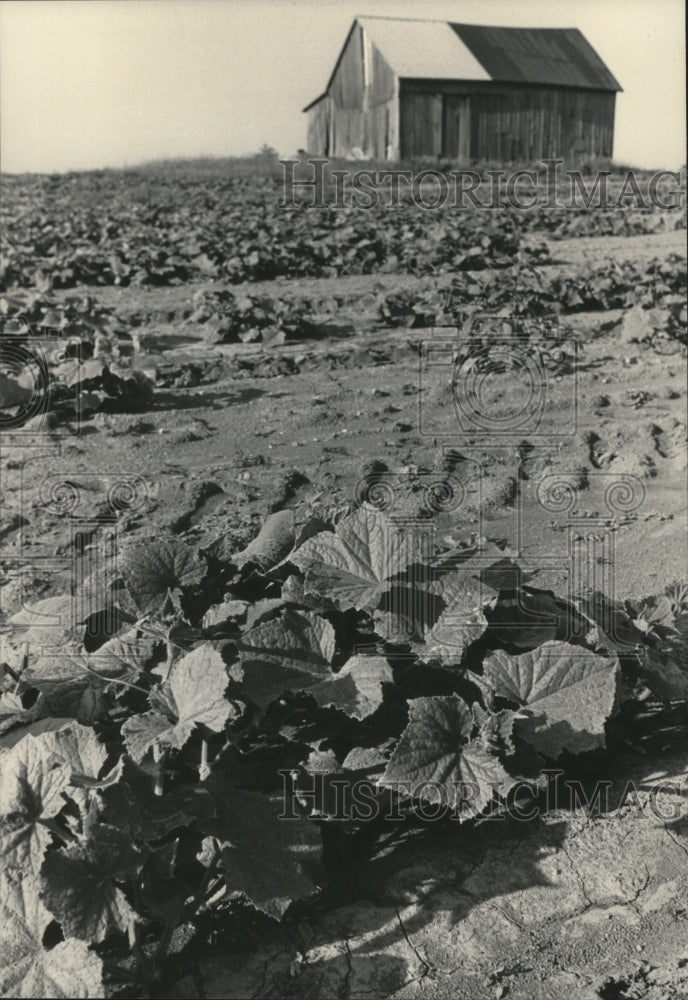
(160, 567)
(352, 564)
(289, 653)
(33, 781)
(568, 692)
(193, 694)
(47, 624)
(438, 760)
(274, 541)
(76, 683)
(272, 860)
(27, 969)
(80, 750)
(67, 685)
(357, 688)
(132, 804)
(80, 883)
(462, 621)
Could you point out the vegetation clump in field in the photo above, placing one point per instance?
(152, 751)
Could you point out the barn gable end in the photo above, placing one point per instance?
(411, 88)
(357, 114)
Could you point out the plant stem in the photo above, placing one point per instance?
(191, 907)
(209, 873)
(13, 674)
(126, 975)
(113, 680)
(170, 656)
(161, 757)
(24, 665)
(203, 768)
(141, 960)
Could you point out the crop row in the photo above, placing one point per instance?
(116, 229)
(219, 315)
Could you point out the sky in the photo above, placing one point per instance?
(87, 84)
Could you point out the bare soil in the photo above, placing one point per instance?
(566, 907)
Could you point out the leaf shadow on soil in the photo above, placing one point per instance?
(204, 401)
(362, 926)
(359, 934)
(590, 365)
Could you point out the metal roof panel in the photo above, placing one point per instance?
(556, 56)
(423, 49)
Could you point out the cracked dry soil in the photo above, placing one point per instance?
(568, 905)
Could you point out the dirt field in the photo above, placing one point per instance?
(568, 905)
(296, 424)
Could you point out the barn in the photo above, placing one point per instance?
(405, 88)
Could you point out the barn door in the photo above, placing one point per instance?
(456, 128)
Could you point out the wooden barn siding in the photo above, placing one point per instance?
(507, 123)
(538, 123)
(456, 127)
(421, 125)
(319, 117)
(353, 116)
(383, 82)
(346, 87)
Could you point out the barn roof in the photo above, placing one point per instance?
(440, 50)
(423, 49)
(557, 56)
